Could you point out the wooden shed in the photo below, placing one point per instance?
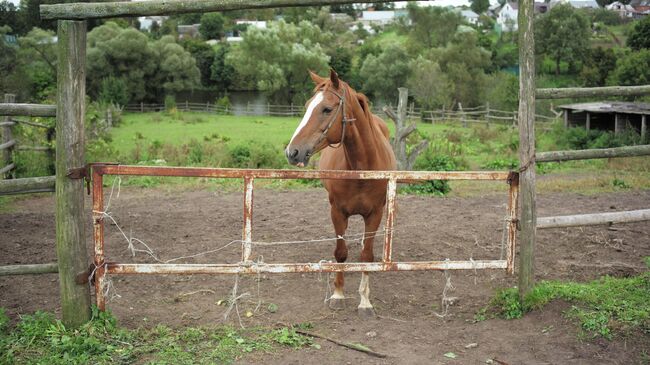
(608, 116)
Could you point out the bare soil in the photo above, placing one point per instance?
(182, 223)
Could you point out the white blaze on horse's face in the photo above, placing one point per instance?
(298, 155)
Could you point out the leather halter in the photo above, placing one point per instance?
(345, 120)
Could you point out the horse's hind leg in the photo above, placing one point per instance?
(372, 222)
(340, 220)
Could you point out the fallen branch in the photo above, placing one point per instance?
(348, 345)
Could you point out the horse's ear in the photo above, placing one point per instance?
(334, 77)
(317, 79)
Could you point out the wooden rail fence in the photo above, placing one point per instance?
(9, 143)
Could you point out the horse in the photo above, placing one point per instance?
(338, 122)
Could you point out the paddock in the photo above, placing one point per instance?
(177, 223)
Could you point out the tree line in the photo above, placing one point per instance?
(433, 51)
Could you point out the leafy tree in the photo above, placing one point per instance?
(9, 16)
(598, 66)
(632, 69)
(464, 64)
(503, 91)
(204, 56)
(480, 6)
(640, 36)
(563, 35)
(383, 74)
(278, 58)
(113, 90)
(432, 26)
(8, 60)
(344, 8)
(428, 84)
(222, 73)
(212, 25)
(37, 57)
(341, 61)
(149, 68)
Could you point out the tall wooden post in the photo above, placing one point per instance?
(7, 136)
(644, 128)
(617, 124)
(526, 118)
(588, 125)
(70, 217)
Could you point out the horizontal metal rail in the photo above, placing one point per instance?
(80, 11)
(629, 151)
(591, 92)
(261, 268)
(27, 110)
(296, 174)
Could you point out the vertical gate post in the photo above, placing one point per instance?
(7, 135)
(70, 218)
(526, 117)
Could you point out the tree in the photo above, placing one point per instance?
(383, 74)
(464, 64)
(8, 61)
(113, 91)
(480, 6)
(563, 35)
(341, 62)
(430, 86)
(598, 66)
(37, 57)
(222, 74)
(432, 26)
(632, 69)
(640, 36)
(278, 58)
(149, 68)
(212, 26)
(204, 56)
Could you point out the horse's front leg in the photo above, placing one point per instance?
(372, 222)
(340, 220)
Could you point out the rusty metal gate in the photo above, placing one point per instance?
(246, 266)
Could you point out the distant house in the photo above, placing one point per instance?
(188, 31)
(11, 40)
(507, 16)
(259, 24)
(624, 11)
(613, 116)
(641, 11)
(577, 4)
(146, 22)
(470, 16)
(381, 17)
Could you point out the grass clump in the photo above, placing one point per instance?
(42, 339)
(602, 307)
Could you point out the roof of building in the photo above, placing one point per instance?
(468, 14)
(610, 107)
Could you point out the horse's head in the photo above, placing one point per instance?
(322, 124)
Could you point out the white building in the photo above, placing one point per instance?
(623, 10)
(507, 16)
(470, 16)
(147, 21)
(259, 24)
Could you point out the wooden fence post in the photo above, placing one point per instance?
(487, 113)
(70, 213)
(7, 135)
(405, 160)
(526, 121)
(462, 115)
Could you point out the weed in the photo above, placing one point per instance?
(620, 183)
(289, 337)
(501, 164)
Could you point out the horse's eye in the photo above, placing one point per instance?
(327, 110)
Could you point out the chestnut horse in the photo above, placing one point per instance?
(339, 122)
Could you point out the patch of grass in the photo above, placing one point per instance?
(602, 307)
(42, 339)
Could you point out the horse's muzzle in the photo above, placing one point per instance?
(298, 156)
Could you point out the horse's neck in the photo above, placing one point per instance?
(362, 147)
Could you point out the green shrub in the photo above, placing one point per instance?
(254, 156)
(113, 90)
(579, 138)
(501, 164)
(170, 103)
(223, 104)
(430, 162)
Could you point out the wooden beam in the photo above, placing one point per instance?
(594, 219)
(588, 124)
(7, 168)
(8, 142)
(644, 128)
(70, 215)
(591, 92)
(526, 119)
(80, 11)
(628, 151)
(27, 110)
(29, 269)
(27, 185)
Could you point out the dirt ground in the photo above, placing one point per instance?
(183, 223)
